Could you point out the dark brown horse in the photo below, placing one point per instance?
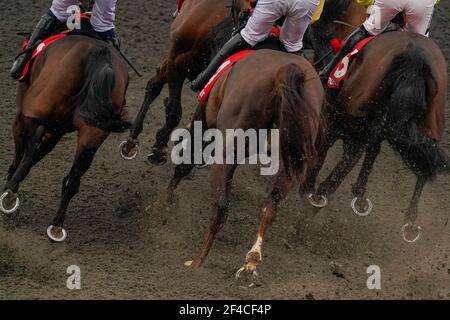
(201, 27)
(266, 90)
(77, 83)
(396, 90)
(339, 18)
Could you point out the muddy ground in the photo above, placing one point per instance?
(125, 251)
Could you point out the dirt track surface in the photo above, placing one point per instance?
(126, 251)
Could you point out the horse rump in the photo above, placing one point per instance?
(409, 80)
(94, 101)
(298, 121)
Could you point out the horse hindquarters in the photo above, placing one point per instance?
(409, 80)
(413, 88)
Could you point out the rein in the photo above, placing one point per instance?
(331, 51)
(345, 24)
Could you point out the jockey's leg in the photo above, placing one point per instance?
(258, 28)
(419, 14)
(380, 15)
(60, 9)
(232, 46)
(102, 20)
(47, 23)
(296, 23)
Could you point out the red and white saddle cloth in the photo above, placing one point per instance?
(43, 45)
(226, 65)
(179, 5)
(38, 50)
(340, 71)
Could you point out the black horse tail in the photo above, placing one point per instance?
(298, 122)
(412, 86)
(94, 100)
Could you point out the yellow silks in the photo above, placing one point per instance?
(318, 12)
(365, 3)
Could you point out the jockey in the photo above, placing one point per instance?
(381, 12)
(298, 15)
(102, 21)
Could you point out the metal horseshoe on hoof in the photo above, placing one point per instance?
(254, 276)
(417, 237)
(52, 238)
(364, 213)
(322, 204)
(14, 207)
(123, 155)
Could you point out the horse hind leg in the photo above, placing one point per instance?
(9, 201)
(221, 177)
(352, 153)
(130, 147)
(89, 140)
(411, 231)
(173, 111)
(19, 147)
(361, 205)
(182, 170)
(283, 185)
(308, 187)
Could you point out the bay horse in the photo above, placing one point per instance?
(395, 90)
(339, 18)
(77, 83)
(267, 89)
(199, 29)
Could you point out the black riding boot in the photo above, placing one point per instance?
(232, 46)
(43, 29)
(352, 40)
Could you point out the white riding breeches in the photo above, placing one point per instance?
(298, 15)
(103, 13)
(418, 15)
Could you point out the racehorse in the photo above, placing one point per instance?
(395, 90)
(78, 83)
(339, 18)
(267, 89)
(201, 27)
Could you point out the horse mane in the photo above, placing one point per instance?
(332, 10)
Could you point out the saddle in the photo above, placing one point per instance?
(271, 43)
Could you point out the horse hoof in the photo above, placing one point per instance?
(9, 202)
(188, 263)
(56, 234)
(361, 209)
(411, 232)
(157, 158)
(322, 202)
(128, 150)
(247, 277)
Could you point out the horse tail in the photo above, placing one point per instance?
(412, 87)
(94, 100)
(298, 121)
